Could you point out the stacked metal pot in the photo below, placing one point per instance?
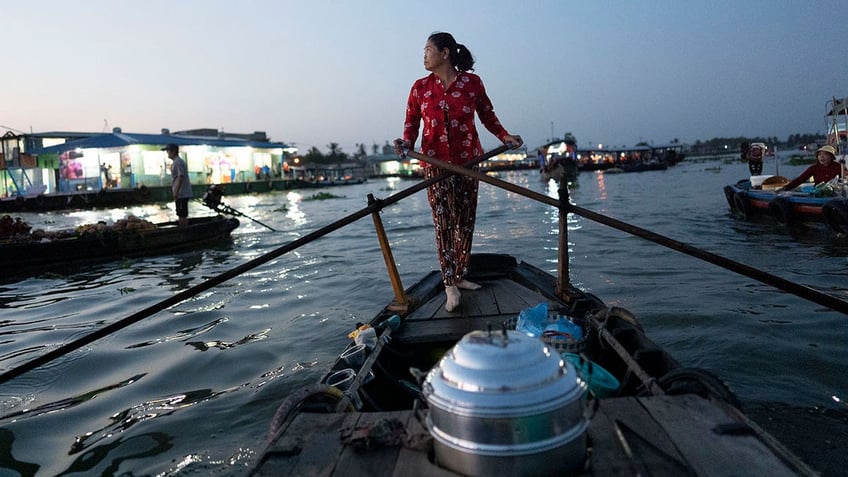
(505, 404)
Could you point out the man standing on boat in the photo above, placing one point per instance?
(445, 102)
(180, 185)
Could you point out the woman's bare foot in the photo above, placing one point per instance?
(453, 298)
(466, 285)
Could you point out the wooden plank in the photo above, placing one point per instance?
(374, 461)
(469, 303)
(607, 457)
(444, 329)
(512, 297)
(472, 303)
(627, 440)
(415, 462)
(468, 306)
(486, 300)
(497, 297)
(310, 446)
(690, 422)
(430, 308)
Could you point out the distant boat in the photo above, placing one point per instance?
(825, 203)
(641, 166)
(559, 169)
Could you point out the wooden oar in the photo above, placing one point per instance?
(802, 291)
(214, 281)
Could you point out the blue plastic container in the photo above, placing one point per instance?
(600, 381)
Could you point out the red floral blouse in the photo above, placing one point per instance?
(449, 133)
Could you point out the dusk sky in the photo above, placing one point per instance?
(315, 72)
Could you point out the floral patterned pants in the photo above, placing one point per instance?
(453, 202)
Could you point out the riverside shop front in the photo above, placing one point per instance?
(120, 160)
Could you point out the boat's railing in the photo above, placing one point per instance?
(376, 205)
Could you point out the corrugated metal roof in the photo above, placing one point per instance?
(121, 139)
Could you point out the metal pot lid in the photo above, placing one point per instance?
(497, 370)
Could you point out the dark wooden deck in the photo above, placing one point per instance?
(494, 302)
(658, 436)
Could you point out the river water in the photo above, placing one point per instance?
(192, 389)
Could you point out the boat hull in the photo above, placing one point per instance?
(21, 258)
(384, 431)
(787, 209)
(110, 198)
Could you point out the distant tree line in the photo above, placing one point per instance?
(335, 155)
(718, 145)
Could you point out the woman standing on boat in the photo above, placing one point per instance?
(825, 169)
(445, 101)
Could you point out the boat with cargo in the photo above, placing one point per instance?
(24, 251)
(823, 205)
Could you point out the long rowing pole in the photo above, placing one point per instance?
(794, 288)
(234, 272)
(802, 291)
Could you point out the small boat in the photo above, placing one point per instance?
(441, 393)
(529, 376)
(40, 251)
(804, 207)
(825, 203)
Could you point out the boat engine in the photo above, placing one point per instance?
(212, 197)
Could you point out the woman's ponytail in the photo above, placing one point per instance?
(460, 56)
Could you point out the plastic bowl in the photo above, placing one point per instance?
(600, 381)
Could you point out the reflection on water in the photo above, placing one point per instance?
(205, 345)
(7, 440)
(193, 388)
(17, 414)
(293, 212)
(106, 459)
(183, 335)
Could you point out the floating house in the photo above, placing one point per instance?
(72, 162)
(57, 170)
(605, 157)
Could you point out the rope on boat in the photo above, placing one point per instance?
(649, 382)
(289, 408)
